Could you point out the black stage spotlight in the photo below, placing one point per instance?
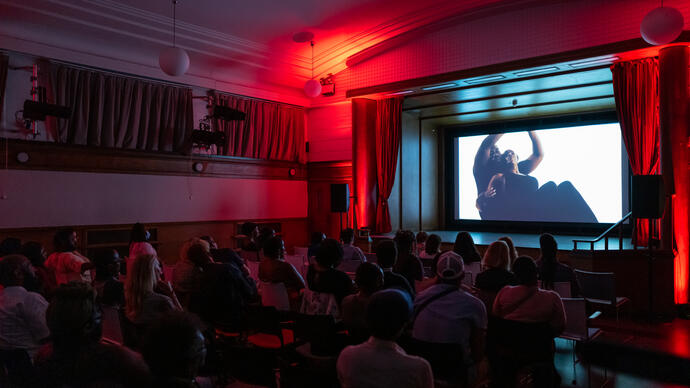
(227, 114)
(38, 111)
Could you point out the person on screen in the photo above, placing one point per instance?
(489, 161)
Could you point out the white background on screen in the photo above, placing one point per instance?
(587, 156)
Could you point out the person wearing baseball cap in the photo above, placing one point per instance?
(445, 313)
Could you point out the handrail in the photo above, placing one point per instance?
(605, 235)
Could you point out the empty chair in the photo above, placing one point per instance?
(576, 327)
(112, 330)
(599, 288)
(274, 295)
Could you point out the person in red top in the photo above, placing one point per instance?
(67, 263)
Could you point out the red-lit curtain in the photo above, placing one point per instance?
(388, 133)
(110, 110)
(4, 65)
(635, 85)
(270, 131)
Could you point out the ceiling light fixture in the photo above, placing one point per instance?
(312, 88)
(439, 86)
(661, 25)
(593, 62)
(525, 73)
(174, 60)
(484, 79)
(399, 93)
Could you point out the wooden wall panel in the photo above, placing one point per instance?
(321, 176)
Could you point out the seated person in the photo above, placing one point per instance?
(68, 264)
(380, 362)
(550, 269)
(45, 278)
(432, 248)
(146, 295)
(352, 255)
(369, 279)
(464, 246)
(22, 312)
(227, 255)
(274, 269)
(316, 239)
(513, 254)
(445, 313)
(407, 264)
(525, 302)
(420, 245)
(138, 244)
(76, 357)
(175, 349)
(386, 255)
(109, 289)
(322, 275)
(495, 275)
(187, 275)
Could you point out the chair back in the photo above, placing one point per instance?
(320, 331)
(371, 257)
(447, 360)
(319, 303)
(576, 319)
(468, 280)
(598, 286)
(168, 272)
(563, 289)
(299, 262)
(475, 267)
(15, 367)
(302, 251)
(253, 269)
(275, 295)
(349, 266)
(112, 330)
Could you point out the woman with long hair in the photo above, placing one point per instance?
(495, 274)
(550, 269)
(146, 294)
(464, 246)
(511, 249)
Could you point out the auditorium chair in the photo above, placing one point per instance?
(599, 289)
(446, 360)
(274, 295)
(577, 327)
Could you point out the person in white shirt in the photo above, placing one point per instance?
(68, 264)
(22, 313)
(380, 362)
(352, 255)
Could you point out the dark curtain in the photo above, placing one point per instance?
(388, 134)
(116, 111)
(270, 131)
(635, 85)
(4, 65)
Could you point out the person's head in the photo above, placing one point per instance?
(73, 316)
(387, 313)
(369, 278)
(496, 256)
(525, 270)
(464, 246)
(174, 346)
(494, 154)
(264, 235)
(511, 247)
(421, 237)
(450, 268)
(10, 246)
(404, 239)
(433, 244)
(274, 248)
(199, 253)
(510, 160)
(250, 229)
(330, 253)
(65, 240)
(317, 238)
(107, 262)
(386, 253)
(548, 247)
(35, 252)
(347, 236)
(15, 270)
(143, 275)
(139, 233)
(211, 242)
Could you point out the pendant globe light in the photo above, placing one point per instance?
(312, 88)
(661, 25)
(174, 60)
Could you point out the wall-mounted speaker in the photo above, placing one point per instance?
(340, 197)
(648, 196)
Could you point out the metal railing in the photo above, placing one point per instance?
(605, 236)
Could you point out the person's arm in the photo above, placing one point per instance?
(34, 313)
(496, 184)
(166, 289)
(530, 164)
(558, 319)
(294, 279)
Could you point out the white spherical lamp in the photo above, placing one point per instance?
(661, 26)
(173, 61)
(312, 88)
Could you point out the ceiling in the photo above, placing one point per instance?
(245, 42)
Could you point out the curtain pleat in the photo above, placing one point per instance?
(270, 131)
(4, 66)
(635, 85)
(388, 135)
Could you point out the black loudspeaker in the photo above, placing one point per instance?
(340, 197)
(648, 196)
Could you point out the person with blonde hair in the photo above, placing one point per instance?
(146, 294)
(495, 274)
(511, 249)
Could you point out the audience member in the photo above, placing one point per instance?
(139, 242)
(386, 255)
(495, 274)
(10, 246)
(68, 264)
(274, 269)
(550, 269)
(175, 349)
(251, 231)
(146, 294)
(322, 276)
(526, 302)
(352, 255)
(316, 239)
(369, 279)
(420, 245)
(511, 249)
(110, 290)
(22, 312)
(380, 362)
(407, 264)
(445, 313)
(45, 278)
(187, 275)
(432, 248)
(76, 357)
(464, 246)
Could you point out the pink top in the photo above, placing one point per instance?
(542, 306)
(136, 249)
(67, 267)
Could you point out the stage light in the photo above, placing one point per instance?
(661, 25)
(38, 111)
(174, 60)
(439, 86)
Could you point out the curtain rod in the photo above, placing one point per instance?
(255, 98)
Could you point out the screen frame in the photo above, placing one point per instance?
(562, 121)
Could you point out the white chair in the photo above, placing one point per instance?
(475, 267)
(319, 303)
(297, 261)
(275, 295)
(112, 331)
(577, 328)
